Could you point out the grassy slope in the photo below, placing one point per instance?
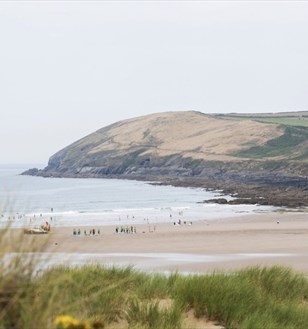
(189, 134)
(285, 145)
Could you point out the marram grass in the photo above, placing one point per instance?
(117, 298)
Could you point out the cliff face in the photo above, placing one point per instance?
(188, 145)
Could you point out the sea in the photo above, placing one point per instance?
(73, 202)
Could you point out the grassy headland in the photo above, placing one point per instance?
(235, 153)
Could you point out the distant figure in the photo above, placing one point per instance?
(98, 231)
(277, 221)
(79, 231)
(74, 231)
(46, 227)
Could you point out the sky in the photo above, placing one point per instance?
(69, 68)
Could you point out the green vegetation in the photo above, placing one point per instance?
(286, 121)
(299, 119)
(284, 145)
(100, 297)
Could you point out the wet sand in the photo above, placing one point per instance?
(204, 246)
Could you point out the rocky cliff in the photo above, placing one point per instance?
(190, 148)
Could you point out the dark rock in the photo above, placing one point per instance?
(32, 172)
(218, 200)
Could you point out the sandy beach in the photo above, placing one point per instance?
(228, 244)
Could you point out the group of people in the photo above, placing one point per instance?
(179, 222)
(17, 216)
(126, 230)
(92, 232)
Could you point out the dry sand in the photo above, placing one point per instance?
(205, 246)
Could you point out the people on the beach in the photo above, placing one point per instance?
(91, 232)
(179, 222)
(76, 232)
(126, 230)
(46, 226)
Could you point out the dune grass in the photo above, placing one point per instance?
(252, 298)
(98, 297)
(116, 298)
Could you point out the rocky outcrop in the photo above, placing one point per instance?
(249, 158)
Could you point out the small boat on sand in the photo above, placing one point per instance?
(43, 229)
(35, 230)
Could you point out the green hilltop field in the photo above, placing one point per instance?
(299, 118)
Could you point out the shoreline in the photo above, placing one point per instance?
(136, 216)
(205, 246)
(271, 190)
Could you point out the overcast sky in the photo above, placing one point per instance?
(68, 68)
